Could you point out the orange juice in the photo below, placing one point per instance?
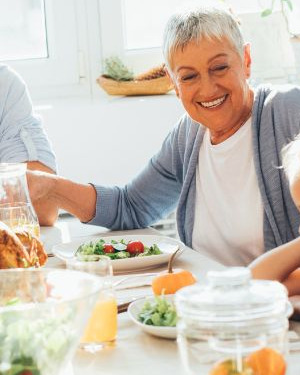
(102, 324)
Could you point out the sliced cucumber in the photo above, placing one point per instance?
(119, 246)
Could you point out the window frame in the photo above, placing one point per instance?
(113, 43)
(68, 68)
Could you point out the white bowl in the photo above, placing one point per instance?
(135, 308)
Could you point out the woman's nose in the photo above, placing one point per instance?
(207, 87)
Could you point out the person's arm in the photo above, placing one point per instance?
(152, 194)
(280, 264)
(136, 205)
(22, 136)
(46, 212)
(292, 283)
(49, 190)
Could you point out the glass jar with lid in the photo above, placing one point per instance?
(233, 325)
(16, 209)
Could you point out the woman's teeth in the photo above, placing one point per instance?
(213, 103)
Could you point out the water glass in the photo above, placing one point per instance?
(101, 329)
(20, 217)
(16, 209)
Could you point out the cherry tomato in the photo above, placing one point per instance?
(135, 247)
(26, 372)
(108, 248)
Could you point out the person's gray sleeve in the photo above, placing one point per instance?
(149, 197)
(23, 137)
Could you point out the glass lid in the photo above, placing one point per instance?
(231, 295)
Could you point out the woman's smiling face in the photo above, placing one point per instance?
(210, 78)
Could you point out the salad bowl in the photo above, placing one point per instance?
(135, 309)
(42, 316)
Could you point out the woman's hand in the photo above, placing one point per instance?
(40, 186)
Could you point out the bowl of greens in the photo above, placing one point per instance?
(42, 316)
(155, 315)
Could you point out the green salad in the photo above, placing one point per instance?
(116, 249)
(33, 342)
(160, 313)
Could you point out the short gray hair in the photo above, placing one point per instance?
(195, 24)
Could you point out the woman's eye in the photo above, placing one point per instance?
(188, 77)
(219, 68)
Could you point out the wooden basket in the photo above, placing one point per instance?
(155, 86)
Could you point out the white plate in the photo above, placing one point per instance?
(135, 308)
(167, 245)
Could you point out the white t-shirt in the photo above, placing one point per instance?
(228, 223)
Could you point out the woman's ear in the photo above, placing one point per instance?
(172, 79)
(247, 60)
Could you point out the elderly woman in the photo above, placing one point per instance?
(218, 165)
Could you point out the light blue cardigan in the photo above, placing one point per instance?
(169, 179)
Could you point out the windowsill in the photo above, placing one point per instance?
(102, 100)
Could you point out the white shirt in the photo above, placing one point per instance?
(228, 223)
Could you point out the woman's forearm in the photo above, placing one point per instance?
(279, 263)
(55, 191)
(78, 199)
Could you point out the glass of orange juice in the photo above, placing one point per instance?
(101, 329)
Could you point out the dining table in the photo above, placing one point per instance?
(136, 352)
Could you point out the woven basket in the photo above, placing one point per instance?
(155, 86)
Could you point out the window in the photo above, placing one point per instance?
(22, 30)
(46, 44)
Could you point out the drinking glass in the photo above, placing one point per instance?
(101, 329)
(20, 217)
(16, 209)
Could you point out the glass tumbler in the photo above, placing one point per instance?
(101, 329)
(233, 325)
(16, 209)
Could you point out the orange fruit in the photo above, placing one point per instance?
(229, 367)
(266, 361)
(172, 280)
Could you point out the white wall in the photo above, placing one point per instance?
(108, 139)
